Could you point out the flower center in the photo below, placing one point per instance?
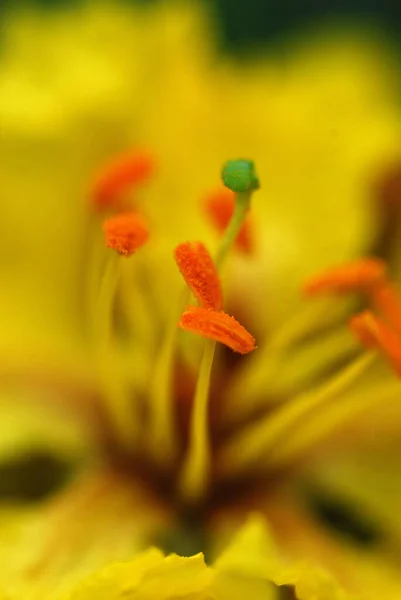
(169, 419)
(126, 232)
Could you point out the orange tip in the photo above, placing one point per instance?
(219, 206)
(118, 176)
(125, 233)
(359, 276)
(375, 333)
(217, 326)
(200, 274)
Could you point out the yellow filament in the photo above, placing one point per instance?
(162, 433)
(104, 305)
(96, 252)
(261, 372)
(321, 426)
(259, 440)
(196, 468)
(117, 401)
(135, 305)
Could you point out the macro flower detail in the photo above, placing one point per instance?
(109, 188)
(125, 233)
(250, 565)
(217, 326)
(186, 470)
(365, 274)
(200, 274)
(240, 176)
(150, 441)
(219, 207)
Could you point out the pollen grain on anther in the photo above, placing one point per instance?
(119, 176)
(219, 207)
(217, 326)
(200, 274)
(361, 275)
(126, 232)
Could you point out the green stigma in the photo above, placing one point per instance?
(240, 175)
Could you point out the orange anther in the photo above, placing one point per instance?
(126, 233)
(200, 274)
(116, 177)
(359, 276)
(219, 207)
(387, 300)
(375, 333)
(218, 326)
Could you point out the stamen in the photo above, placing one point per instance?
(197, 464)
(359, 276)
(125, 233)
(375, 333)
(220, 206)
(117, 177)
(162, 424)
(217, 326)
(116, 401)
(200, 274)
(281, 437)
(369, 276)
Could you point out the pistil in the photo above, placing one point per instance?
(240, 177)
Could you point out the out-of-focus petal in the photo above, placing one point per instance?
(150, 576)
(47, 550)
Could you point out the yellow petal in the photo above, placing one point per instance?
(301, 535)
(233, 586)
(253, 555)
(150, 576)
(47, 549)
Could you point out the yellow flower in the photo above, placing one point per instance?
(97, 373)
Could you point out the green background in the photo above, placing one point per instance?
(247, 23)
